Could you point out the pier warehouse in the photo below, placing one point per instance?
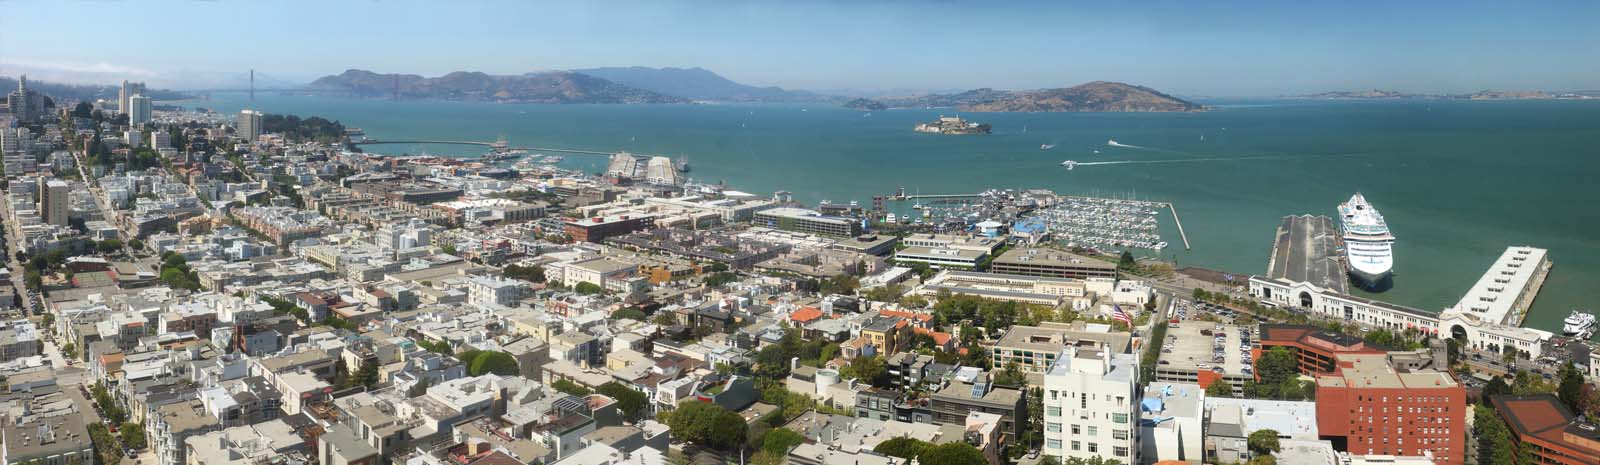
(1051, 264)
(807, 221)
(1475, 330)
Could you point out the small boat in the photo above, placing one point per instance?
(1069, 164)
(1046, 146)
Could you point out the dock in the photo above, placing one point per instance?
(1306, 249)
(1181, 235)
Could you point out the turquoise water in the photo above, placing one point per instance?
(1458, 181)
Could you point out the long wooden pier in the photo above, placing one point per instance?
(1175, 220)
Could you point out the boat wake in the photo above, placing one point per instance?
(1196, 160)
(1114, 143)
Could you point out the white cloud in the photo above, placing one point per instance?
(99, 68)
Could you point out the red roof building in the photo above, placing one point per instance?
(1314, 348)
(1554, 434)
(1367, 406)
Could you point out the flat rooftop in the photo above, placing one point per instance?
(1306, 249)
(1375, 371)
(1499, 292)
(1189, 347)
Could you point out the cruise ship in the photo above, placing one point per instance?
(1579, 324)
(1368, 246)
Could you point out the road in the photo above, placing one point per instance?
(104, 203)
(13, 244)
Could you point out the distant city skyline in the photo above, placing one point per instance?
(1235, 48)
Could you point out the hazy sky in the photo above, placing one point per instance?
(1188, 47)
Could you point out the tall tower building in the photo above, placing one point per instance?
(138, 109)
(53, 201)
(26, 106)
(249, 126)
(126, 93)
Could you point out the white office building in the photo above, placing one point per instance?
(1091, 405)
(139, 108)
(249, 125)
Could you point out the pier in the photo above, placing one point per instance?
(1306, 249)
(1175, 220)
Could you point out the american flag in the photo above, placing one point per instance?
(1119, 315)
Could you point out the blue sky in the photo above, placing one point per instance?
(1189, 47)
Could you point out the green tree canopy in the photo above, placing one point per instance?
(632, 403)
(587, 288)
(902, 447)
(496, 362)
(1219, 388)
(779, 441)
(1263, 442)
(952, 453)
(707, 424)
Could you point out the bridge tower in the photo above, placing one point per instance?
(252, 85)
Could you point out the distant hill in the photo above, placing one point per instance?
(1360, 95)
(1508, 95)
(1098, 96)
(697, 84)
(865, 105)
(546, 87)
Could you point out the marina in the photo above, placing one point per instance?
(1104, 223)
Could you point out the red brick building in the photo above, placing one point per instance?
(1314, 348)
(1367, 406)
(597, 229)
(1544, 424)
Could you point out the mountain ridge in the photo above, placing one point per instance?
(698, 83)
(563, 87)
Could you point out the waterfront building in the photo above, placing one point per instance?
(249, 125)
(139, 108)
(1030, 261)
(1370, 406)
(1544, 428)
(1504, 293)
(1465, 325)
(807, 221)
(1091, 405)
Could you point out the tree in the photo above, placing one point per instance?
(1010, 376)
(1496, 387)
(587, 288)
(1126, 262)
(570, 388)
(1571, 388)
(868, 369)
(631, 403)
(368, 375)
(1494, 439)
(1219, 388)
(132, 435)
(496, 362)
(527, 273)
(630, 314)
(779, 441)
(729, 431)
(693, 420)
(1275, 366)
(721, 279)
(1263, 442)
(902, 447)
(952, 453)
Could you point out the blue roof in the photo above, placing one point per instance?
(1152, 404)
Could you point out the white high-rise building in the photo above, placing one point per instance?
(139, 109)
(249, 126)
(53, 201)
(1091, 405)
(126, 93)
